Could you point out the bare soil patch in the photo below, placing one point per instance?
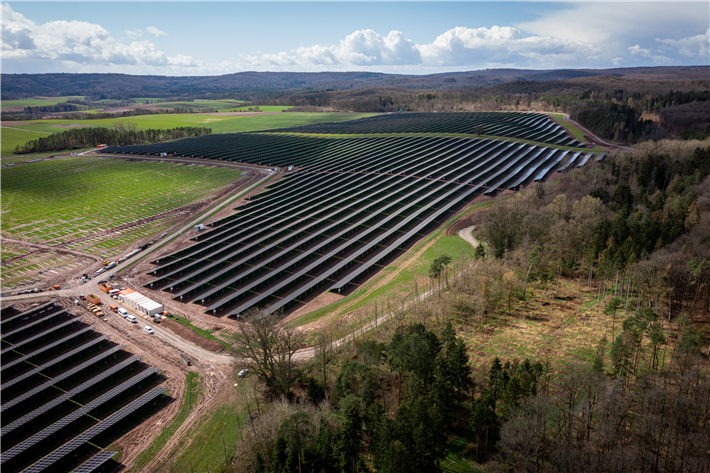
(189, 335)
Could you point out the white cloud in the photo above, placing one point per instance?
(366, 47)
(79, 43)
(155, 31)
(458, 47)
(613, 26)
(638, 50)
(134, 34)
(691, 46)
(481, 46)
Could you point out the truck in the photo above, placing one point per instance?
(94, 299)
(157, 318)
(104, 287)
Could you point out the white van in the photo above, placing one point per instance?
(123, 312)
(132, 319)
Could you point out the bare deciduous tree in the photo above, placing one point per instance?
(269, 351)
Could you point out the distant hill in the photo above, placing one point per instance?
(262, 83)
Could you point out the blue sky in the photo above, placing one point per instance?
(201, 38)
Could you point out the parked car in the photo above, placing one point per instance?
(132, 319)
(123, 312)
(148, 330)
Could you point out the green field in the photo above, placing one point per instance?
(263, 108)
(12, 137)
(225, 103)
(218, 124)
(37, 101)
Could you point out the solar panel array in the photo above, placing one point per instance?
(62, 385)
(522, 125)
(353, 203)
(94, 462)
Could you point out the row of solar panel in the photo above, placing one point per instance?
(525, 126)
(46, 348)
(342, 196)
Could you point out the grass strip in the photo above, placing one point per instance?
(193, 390)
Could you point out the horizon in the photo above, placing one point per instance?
(373, 72)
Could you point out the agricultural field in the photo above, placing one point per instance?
(12, 137)
(68, 391)
(21, 132)
(96, 206)
(198, 103)
(351, 208)
(263, 108)
(19, 105)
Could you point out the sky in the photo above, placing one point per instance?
(211, 38)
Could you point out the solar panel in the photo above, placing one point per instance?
(76, 442)
(53, 361)
(55, 402)
(95, 462)
(38, 335)
(63, 422)
(47, 347)
(27, 312)
(34, 322)
(26, 395)
(7, 309)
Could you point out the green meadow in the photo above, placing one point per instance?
(218, 124)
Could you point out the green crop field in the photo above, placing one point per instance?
(263, 108)
(218, 123)
(37, 101)
(12, 137)
(201, 103)
(70, 200)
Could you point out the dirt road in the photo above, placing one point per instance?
(467, 234)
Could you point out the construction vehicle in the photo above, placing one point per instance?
(157, 318)
(56, 287)
(106, 263)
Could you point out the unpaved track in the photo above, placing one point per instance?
(467, 234)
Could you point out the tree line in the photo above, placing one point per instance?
(124, 135)
(395, 402)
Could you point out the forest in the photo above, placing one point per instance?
(634, 230)
(124, 134)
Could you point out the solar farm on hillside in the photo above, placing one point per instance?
(350, 205)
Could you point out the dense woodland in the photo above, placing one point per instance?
(123, 135)
(635, 230)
